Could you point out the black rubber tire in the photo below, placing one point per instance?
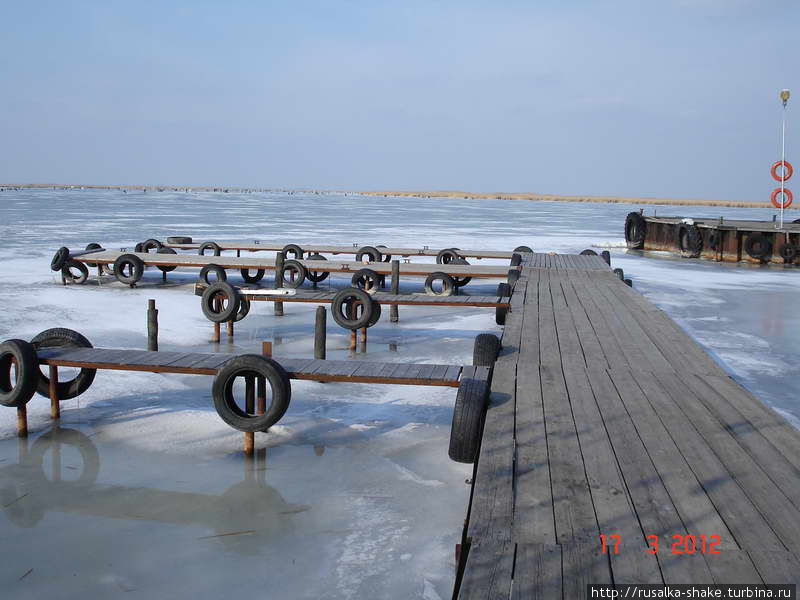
(316, 276)
(758, 245)
(209, 246)
(485, 350)
(134, 263)
(139, 247)
(252, 278)
(448, 284)
(166, 268)
(226, 290)
(796, 221)
(299, 269)
(619, 273)
(460, 282)
(366, 279)
(218, 271)
(73, 438)
(446, 256)
(788, 252)
(258, 366)
(606, 255)
(179, 239)
(244, 309)
(60, 258)
(500, 313)
(523, 249)
(385, 257)
(18, 392)
(376, 314)
(516, 259)
(297, 251)
(60, 337)
(151, 244)
(629, 283)
(690, 241)
(93, 246)
(468, 416)
(370, 251)
(341, 304)
(80, 278)
(635, 230)
(588, 252)
(513, 276)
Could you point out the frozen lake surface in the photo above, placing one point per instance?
(144, 492)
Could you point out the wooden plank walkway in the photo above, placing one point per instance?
(200, 363)
(605, 418)
(262, 246)
(234, 262)
(326, 297)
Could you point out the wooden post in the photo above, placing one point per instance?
(320, 332)
(394, 313)
(249, 408)
(22, 421)
(363, 339)
(152, 325)
(217, 308)
(266, 349)
(163, 276)
(351, 314)
(279, 258)
(55, 408)
(230, 331)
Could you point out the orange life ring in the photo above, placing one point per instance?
(787, 194)
(787, 170)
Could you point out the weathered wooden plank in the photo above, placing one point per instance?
(487, 573)
(583, 564)
(776, 566)
(537, 572)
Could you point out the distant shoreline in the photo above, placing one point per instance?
(405, 194)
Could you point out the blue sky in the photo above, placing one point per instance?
(675, 98)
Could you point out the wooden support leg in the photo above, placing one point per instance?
(320, 332)
(217, 308)
(364, 339)
(22, 421)
(230, 331)
(394, 313)
(249, 436)
(163, 276)
(353, 339)
(55, 407)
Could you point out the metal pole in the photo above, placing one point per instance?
(783, 158)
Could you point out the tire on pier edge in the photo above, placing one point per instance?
(68, 272)
(222, 291)
(256, 366)
(60, 258)
(252, 278)
(588, 252)
(217, 270)
(468, 416)
(788, 253)
(447, 255)
(134, 265)
(370, 252)
(366, 279)
(213, 246)
(448, 284)
(635, 230)
(690, 241)
(500, 313)
(316, 276)
(485, 350)
(179, 239)
(166, 268)
(352, 297)
(758, 246)
(297, 274)
(60, 337)
(460, 282)
(527, 249)
(17, 391)
(93, 246)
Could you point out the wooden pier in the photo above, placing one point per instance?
(606, 419)
(718, 239)
(108, 257)
(326, 297)
(261, 246)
